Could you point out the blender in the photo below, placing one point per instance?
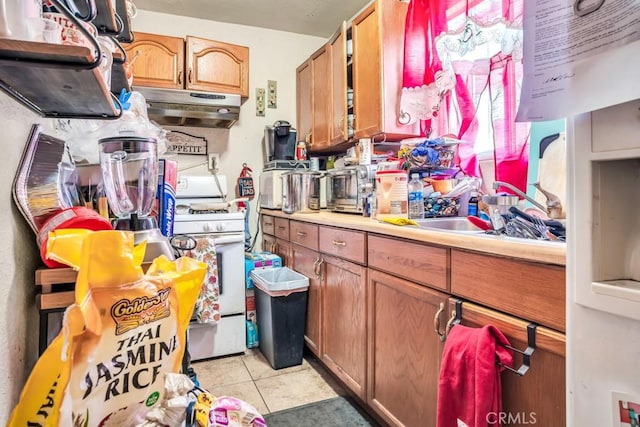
(129, 167)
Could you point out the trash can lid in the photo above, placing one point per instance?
(279, 281)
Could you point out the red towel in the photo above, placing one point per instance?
(469, 389)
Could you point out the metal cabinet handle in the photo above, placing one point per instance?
(272, 248)
(268, 224)
(339, 243)
(281, 227)
(301, 234)
(317, 267)
(180, 77)
(436, 322)
(190, 75)
(450, 322)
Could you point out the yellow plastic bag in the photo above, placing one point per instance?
(124, 332)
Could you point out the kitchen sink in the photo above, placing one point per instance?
(454, 224)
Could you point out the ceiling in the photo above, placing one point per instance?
(312, 17)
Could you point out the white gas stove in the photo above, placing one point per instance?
(202, 211)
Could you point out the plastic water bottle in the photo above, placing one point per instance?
(416, 198)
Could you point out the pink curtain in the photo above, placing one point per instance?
(499, 76)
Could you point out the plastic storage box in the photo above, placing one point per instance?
(259, 260)
(281, 306)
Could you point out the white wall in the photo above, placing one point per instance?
(273, 55)
(18, 260)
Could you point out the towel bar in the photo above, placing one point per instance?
(456, 318)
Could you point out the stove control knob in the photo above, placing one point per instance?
(219, 226)
(206, 226)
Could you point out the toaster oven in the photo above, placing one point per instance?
(346, 187)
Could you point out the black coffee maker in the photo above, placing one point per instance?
(280, 141)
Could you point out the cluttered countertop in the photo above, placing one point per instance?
(525, 249)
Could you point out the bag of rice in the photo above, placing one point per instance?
(124, 332)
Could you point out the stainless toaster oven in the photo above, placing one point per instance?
(346, 187)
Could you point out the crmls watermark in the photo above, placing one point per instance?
(509, 418)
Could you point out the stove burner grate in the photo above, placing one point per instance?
(207, 211)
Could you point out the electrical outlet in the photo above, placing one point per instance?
(214, 161)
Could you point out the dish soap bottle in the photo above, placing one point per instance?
(472, 207)
(416, 198)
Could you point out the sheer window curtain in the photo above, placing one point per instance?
(457, 52)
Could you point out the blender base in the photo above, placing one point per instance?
(157, 244)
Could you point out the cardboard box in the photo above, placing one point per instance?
(259, 260)
(167, 182)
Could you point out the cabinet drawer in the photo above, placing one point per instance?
(268, 225)
(535, 292)
(282, 228)
(420, 263)
(304, 234)
(343, 243)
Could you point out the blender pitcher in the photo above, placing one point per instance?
(130, 174)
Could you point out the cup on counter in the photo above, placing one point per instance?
(314, 163)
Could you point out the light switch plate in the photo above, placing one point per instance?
(260, 102)
(272, 95)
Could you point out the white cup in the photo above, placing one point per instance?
(52, 31)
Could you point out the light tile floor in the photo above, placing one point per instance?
(249, 377)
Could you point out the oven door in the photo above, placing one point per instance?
(230, 260)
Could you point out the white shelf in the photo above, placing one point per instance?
(625, 289)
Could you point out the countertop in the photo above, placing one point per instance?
(524, 249)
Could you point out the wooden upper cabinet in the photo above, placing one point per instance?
(378, 51)
(217, 67)
(158, 61)
(204, 65)
(304, 105)
(338, 131)
(321, 98)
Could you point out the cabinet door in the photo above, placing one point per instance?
(217, 67)
(321, 99)
(344, 326)
(268, 243)
(158, 61)
(367, 73)
(378, 50)
(537, 397)
(304, 104)
(283, 249)
(305, 261)
(404, 349)
(338, 131)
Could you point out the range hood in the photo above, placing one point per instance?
(175, 107)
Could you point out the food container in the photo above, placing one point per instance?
(391, 194)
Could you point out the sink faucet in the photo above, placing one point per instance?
(498, 184)
(553, 208)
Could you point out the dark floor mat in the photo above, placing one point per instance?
(339, 411)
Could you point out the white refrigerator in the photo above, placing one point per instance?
(603, 267)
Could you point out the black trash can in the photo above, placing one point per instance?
(281, 311)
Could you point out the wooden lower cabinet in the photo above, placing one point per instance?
(537, 397)
(305, 262)
(344, 321)
(278, 246)
(404, 350)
